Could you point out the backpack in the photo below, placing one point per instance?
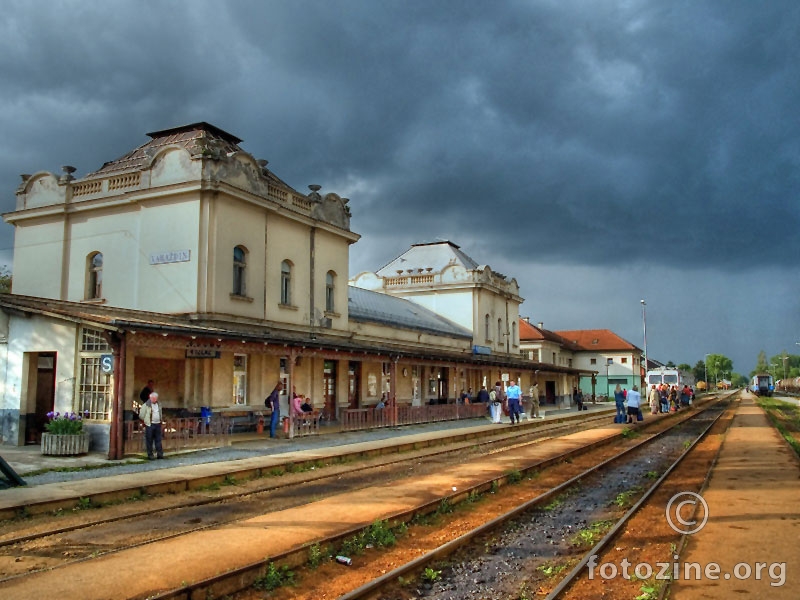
(493, 396)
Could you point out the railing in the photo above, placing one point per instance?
(180, 434)
(354, 419)
(305, 424)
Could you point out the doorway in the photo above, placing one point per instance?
(550, 392)
(329, 389)
(41, 394)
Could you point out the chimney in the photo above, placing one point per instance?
(541, 325)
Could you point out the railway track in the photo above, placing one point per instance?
(60, 543)
(464, 558)
(80, 543)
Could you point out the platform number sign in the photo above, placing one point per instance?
(107, 363)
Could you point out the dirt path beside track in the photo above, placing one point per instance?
(753, 501)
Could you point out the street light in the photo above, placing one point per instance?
(644, 325)
(785, 358)
(705, 368)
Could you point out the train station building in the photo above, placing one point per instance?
(189, 262)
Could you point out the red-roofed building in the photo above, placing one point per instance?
(614, 359)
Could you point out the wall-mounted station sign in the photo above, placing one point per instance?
(172, 256)
(202, 352)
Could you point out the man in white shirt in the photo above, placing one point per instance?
(150, 414)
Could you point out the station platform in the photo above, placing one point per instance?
(753, 500)
(93, 476)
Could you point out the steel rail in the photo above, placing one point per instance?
(573, 575)
(448, 548)
(439, 450)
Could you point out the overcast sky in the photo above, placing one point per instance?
(599, 152)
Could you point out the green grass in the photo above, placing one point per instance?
(785, 417)
(591, 535)
(274, 577)
(624, 499)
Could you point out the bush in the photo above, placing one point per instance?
(66, 424)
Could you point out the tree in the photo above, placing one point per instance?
(738, 380)
(762, 366)
(699, 371)
(5, 280)
(684, 367)
(718, 364)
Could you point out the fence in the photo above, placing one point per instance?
(354, 419)
(305, 424)
(181, 434)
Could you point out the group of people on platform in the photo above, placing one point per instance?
(661, 398)
(507, 400)
(664, 398)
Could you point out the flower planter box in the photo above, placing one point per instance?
(65, 445)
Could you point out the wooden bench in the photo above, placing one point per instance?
(239, 421)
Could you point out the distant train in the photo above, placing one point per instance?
(762, 384)
(669, 376)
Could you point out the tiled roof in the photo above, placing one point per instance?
(186, 136)
(365, 305)
(597, 339)
(531, 333)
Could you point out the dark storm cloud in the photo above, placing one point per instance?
(581, 133)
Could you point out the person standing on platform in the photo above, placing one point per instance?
(496, 402)
(514, 395)
(619, 400)
(634, 400)
(535, 400)
(144, 395)
(654, 398)
(150, 414)
(274, 401)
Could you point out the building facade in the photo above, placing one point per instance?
(187, 261)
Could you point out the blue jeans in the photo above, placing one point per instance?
(514, 409)
(273, 422)
(620, 408)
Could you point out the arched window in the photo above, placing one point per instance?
(239, 265)
(486, 331)
(499, 331)
(330, 281)
(286, 283)
(94, 276)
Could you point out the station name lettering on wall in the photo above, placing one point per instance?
(163, 258)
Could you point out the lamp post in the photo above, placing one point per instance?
(644, 325)
(705, 368)
(785, 358)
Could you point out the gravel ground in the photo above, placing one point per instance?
(518, 562)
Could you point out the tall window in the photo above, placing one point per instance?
(514, 334)
(94, 276)
(499, 331)
(94, 387)
(239, 264)
(487, 333)
(286, 283)
(330, 278)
